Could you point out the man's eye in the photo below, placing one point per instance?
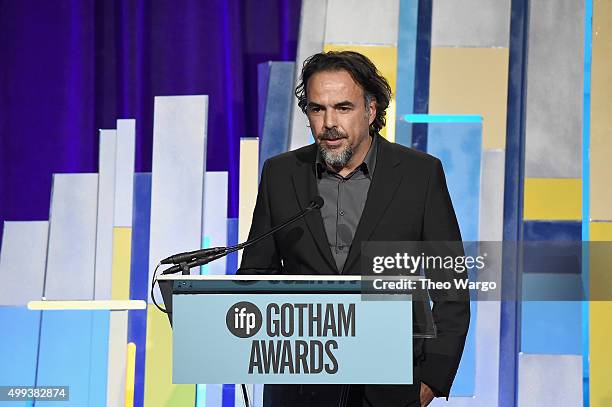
(344, 108)
(315, 109)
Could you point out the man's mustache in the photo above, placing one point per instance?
(331, 134)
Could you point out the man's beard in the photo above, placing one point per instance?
(334, 158)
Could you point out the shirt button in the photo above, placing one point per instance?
(341, 213)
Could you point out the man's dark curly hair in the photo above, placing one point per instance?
(363, 71)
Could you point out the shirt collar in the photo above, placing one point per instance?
(367, 166)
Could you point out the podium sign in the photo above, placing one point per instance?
(284, 338)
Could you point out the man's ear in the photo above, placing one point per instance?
(372, 111)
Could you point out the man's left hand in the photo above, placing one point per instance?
(426, 395)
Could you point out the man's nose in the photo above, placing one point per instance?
(329, 119)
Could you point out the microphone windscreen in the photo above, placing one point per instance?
(317, 202)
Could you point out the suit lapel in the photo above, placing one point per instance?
(305, 186)
(382, 189)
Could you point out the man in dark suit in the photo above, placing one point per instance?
(373, 190)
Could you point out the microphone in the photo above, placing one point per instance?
(204, 256)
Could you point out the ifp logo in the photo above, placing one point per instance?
(243, 319)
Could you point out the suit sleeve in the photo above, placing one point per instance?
(451, 310)
(262, 257)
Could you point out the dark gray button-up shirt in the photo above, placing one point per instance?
(344, 199)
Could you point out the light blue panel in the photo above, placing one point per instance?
(551, 327)
(22, 262)
(106, 214)
(73, 352)
(124, 185)
(458, 146)
(406, 57)
(215, 216)
(99, 358)
(214, 395)
(18, 347)
(72, 237)
(274, 138)
(229, 358)
(310, 41)
(549, 380)
(263, 78)
(177, 179)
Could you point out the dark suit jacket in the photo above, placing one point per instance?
(407, 201)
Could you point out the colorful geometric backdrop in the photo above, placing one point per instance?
(513, 97)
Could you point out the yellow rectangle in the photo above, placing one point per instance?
(130, 373)
(553, 199)
(385, 59)
(601, 107)
(122, 255)
(159, 390)
(472, 81)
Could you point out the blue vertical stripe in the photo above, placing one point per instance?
(232, 239)
(586, 179)
(406, 61)
(139, 274)
(513, 202)
(421, 77)
(229, 395)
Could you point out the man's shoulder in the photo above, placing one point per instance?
(409, 156)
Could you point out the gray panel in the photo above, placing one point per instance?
(470, 23)
(554, 89)
(22, 262)
(72, 237)
(311, 38)
(362, 22)
(215, 216)
(106, 205)
(126, 142)
(492, 195)
(549, 380)
(177, 180)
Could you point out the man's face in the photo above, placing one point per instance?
(339, 119)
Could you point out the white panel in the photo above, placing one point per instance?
(72, 237)
(106, 209)
(470, 23)
(362, 22)
(124, 192)
(117, 355)
(549, 380)
(22, 261)
(248, 183)
(311, 38)
(215, 216)
(492, 195)
(177, 180)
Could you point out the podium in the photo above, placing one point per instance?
(289, 329)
